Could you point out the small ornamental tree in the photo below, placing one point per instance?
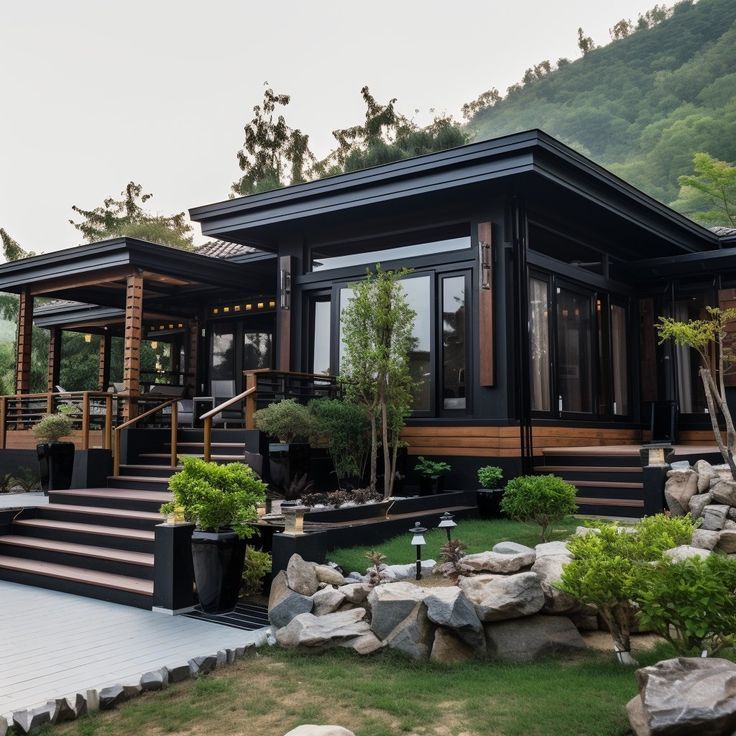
(377, 336)
(710, 339)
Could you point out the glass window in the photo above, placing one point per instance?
(420, 358)
(321, 353)
(539, 339)
(453, 343)
(619, 361)
(223, 359)
(257, 350)
(690, 390)
(574, 352)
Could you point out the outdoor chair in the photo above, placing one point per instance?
(222, 390)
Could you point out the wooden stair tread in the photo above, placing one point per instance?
(78, 575)
(88, 550)
(73, 526)
(212, 444)
(128, 494)
(630, 502)
(587, 469)
(148, 467)
(166, 456)
(606, 484)
(104, 511)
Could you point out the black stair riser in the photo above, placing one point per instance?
(595, 492)
(116, 567)
(618, 461)
(137, 485)
(153, 471)
(218, 435)
(579, 476)
(80, 517)
(106, 502)
(627, 512)
(77, 588)
(97, 540)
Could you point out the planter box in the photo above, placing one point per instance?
(489, 502)
(287, 462)
(56, 465)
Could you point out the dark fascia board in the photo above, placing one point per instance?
(531, 150)
(689, 264)
(64, 315)
(114, 252)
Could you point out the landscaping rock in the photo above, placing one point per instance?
(449, 607)
(685, 552)
(679, 488)
(365, 644)
(728, 524)
(512, 548)
(727, 541)
(498, 597)
(714, 517)
(687, 695)
(284, 604)
(549, 570)
(552, 548)
(732, 514)
(329, 575)
(528, 639)
(30, 721)
(705, 539)
(724, 492)
(178, 673)
(310, 730)
(495, 562)
(301, 575)
(66, 709)
(3, 726)
(308, 630)
(112, 696)
(202, 665)
(391, 604)
(448, 649)
(413, 636)
(155, 680)
(698, 503)
(327, 600)
(583, 531)
(705, 472)
(406, 572)
(356, 593)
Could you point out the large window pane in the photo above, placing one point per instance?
(223, 358)
(539, 344)
(321, 337)
(619, 361)
(574, 354)
(257, 350)
(453, 343)
(420, 358)
(690, 390)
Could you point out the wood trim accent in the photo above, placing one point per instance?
(486, 274)
(24, 439)
(727, 300)
(23, 342)
(283, 314)
(103, 363)
(79, 280)
(54, 360)
(132, 343)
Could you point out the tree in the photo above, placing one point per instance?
(708, 195)
(374, 372)
(653, 17)
(585, 43)
(484, 100)
(11, 248)
(127, 217)
(622, 29)
(273, 154)
(711, 339)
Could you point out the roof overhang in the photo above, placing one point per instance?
(686, 265)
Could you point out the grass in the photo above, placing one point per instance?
(385, 695)
(478, 536)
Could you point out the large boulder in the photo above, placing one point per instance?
(449, 649)
(308, 630)
(727, 541)
(309, 729)
(501, 563)
(724, 492)
(512, 548)
(705, 472)
(413, 636)
(364, 644)
(549, 570)
(705, 539)
(356, 593)
(390, 604)
(302, 575)
(714, 516)
(329, 575)
(685, 696)
(284, 604)
(552, 548)
(450, 607)
(499, 597)
(327, 600)
(395, 573)
(686, 552)
(679, 488)
(528, 639)
(698, 503)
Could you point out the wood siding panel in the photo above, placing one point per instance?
(132, 342)
(24, 439)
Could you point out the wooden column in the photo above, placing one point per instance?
(486, 375)
(132, 343)
(192, 350)
(54, 364)
(103, 363)
(23, 343)
(283, 313)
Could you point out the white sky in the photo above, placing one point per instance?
(94, 93)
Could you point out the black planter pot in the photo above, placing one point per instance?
(431, 486)
(489, 502)
(218, 559)
(287, 462)
(56, 461)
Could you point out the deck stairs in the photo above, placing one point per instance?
(98, 542)
(609, 481)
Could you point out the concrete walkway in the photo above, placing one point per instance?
(54, 644)
(22, 500)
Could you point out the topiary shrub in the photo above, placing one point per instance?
(490, 476)
(542, 499)
(54, 427)
(288, 421)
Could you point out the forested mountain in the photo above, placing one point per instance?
(642, 105)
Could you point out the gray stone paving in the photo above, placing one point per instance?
(55, 645)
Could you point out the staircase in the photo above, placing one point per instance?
(98, 542)
(609, 480)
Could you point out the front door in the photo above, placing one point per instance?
(240, 345)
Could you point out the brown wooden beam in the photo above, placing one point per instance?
(23, 342)
(103, 362)
(78, 281)
(54, 362)
(486, 374)
(132, 343)
(283, 313)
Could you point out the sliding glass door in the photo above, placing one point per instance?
(574, 351)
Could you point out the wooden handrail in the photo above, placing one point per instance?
(208, 416)
(135, 420)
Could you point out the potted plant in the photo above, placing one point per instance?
(56, 458)
(291, 425)
(431, 475)
(490, 491)
(221, 501)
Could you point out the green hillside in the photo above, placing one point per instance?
(642, 105)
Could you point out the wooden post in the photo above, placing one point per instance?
(3, 420)
(85, 420)
(132, 343)
(207, 437)
(54, 363)
(486, 375)
(174, 432)
(108, 423)
(23, 343)
(103, 363)
(250, 401)
(283, 313)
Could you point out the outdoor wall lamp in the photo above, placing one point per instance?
(486, 265)
(88, 337)
(418, 541)
(285, 289)
(294, 519)
(447, 523)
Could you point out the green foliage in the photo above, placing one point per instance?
(489, 476)
(127, 217)
(54, 427)
(432, 469)
(216, 496)
(344, 428)
(542, 499)
(257, 565)
(7, 482)
(376, 574)
(27, 479)
(691, 603)
(11, 248)
(450, 563)
(708, 195)
(287, 420)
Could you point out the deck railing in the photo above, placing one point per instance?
(275, 385)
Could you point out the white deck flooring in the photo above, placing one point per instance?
(22, 500)
(54, 644)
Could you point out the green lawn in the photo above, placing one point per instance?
(478, 535)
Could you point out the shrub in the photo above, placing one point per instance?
(288, 421)
(451, 565)
(257, 566)
(543, 499)
(431, 468)
(489, 476)
(691, 603)
(215, 496)
(7, 482)
(54, 427)
(27, 479)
